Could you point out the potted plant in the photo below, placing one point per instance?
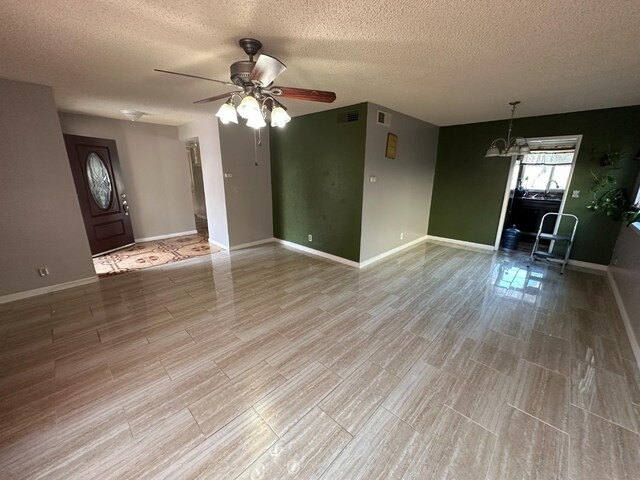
(608, 197)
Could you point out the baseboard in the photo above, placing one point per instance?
(588, 265)
(635, 346)
(251, 244)
(317, 253)
(168, 235)
(461, 243)
(219, 245)
(12, 297)
(377, 258)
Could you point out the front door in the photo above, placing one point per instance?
(103, 199)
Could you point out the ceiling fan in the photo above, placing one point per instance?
(253, 83)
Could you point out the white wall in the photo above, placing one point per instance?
(625, 269)
(248, 191)
(205, 131)
(155, 168)
(400, 200)
(626, 273)
(40, 219)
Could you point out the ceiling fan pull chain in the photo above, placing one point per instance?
(257, 141)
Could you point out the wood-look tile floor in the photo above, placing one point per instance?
(269, 364)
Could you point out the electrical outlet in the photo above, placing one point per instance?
(575, 194)
(228, 175)
(310, 238)
(43, 271)
(373, 179)
(401, 235)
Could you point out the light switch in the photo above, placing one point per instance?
(373, 179)
(228, 175)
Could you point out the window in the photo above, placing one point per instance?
(546, 170)
(538, 177)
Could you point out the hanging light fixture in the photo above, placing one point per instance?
(513, 146)
(279, 117)
(249, 108)
(253, 108)
(227, 113)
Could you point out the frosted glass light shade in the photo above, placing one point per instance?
(256, 121)
(249, 108)
(493, 152)
(279, 117)
(227, 114)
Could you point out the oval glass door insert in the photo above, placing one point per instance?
(99, 181)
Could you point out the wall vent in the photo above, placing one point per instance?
(383, 118)
(348, 117)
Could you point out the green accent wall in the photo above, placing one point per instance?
(317, 169)
(469, 189)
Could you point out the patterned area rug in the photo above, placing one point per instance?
(151, 254)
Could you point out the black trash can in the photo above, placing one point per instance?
(510, 239)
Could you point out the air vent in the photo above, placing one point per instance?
(384, 118)
(348, 117)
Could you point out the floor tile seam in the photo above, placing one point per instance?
(539, 419)
(510, 377)
(352, 435)
(605, 419)
(494, 435)
(568, 377)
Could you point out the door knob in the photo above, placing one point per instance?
(125, 206)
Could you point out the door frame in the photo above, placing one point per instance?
(512, 172)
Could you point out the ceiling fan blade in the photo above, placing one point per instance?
(195, 76)
(266, 70)
(214, 98)
(304, 94)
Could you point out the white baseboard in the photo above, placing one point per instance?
(219, 245)
(635, 346)
(462, 243)
(588, 265)
(168, 235)
(12, 297)
(393, 251)
(318, 253)
(252, 244)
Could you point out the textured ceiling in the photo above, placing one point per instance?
(443, 61)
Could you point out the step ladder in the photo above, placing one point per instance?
(554, 237)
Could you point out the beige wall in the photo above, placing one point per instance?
(400, 199)
(40, 219)
(248, 190)
(205, 132)
(155, 170)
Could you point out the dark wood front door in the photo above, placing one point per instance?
(103, 198)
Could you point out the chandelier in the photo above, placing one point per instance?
(254, 108)
(513, 146)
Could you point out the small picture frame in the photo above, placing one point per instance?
(392, 145)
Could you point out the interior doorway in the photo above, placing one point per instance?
(197, 188)
(538, 184)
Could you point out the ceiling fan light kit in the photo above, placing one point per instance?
(513, 146)
(254, 84)
(227, 114)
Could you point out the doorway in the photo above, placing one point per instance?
(538, 184)
(197, 188)
(101, 192)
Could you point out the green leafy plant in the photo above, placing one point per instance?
(608, 197)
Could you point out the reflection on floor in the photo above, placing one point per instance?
(202, 227)
(151, 254)
(265, 363)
